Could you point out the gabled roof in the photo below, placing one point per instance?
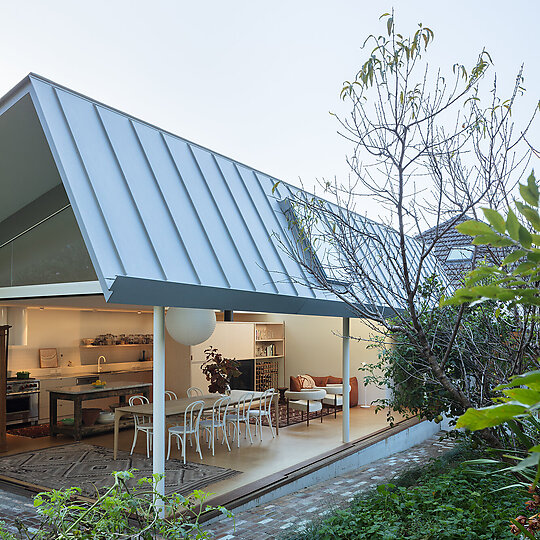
(169, 222)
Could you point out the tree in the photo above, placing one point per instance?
(513, 284)
(425, 148)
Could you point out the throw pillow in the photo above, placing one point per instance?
(306, 381)
(320, 381)
(294, 383)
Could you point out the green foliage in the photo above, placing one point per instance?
(479, 360)
(515, 282)
(120, 513)
(441, 504)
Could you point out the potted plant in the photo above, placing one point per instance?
(219, 371)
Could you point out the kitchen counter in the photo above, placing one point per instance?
(78, 394)
(90, 388)
(81, 371)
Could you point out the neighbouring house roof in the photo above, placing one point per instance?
(167, 221)
(455, 250)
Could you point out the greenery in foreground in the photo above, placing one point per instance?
(447, 500)
(120, 512)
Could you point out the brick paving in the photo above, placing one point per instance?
(287, 514)
(14, 505)
(293, 512)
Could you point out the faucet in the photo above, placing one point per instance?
(99, 363)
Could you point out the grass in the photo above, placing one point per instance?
(445, 500)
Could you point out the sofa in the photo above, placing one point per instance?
(295, 385)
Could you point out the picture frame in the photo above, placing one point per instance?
(48, 358)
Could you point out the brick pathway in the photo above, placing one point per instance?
(292, 512)
(284, 515)
(15, 505)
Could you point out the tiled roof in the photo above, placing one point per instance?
(451, 238)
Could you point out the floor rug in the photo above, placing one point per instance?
(295, 417)
(90, 467)
(34, 432)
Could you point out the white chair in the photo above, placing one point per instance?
(192, 417)
(141, 424)
(306, 401)
(216, 421)
(264, 411)
(169, 394)
(194, 391)
(334, 396)
(241, 414)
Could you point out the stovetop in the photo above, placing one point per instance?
(15, 385)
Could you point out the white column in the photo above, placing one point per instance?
(158, 452)
(346, 377)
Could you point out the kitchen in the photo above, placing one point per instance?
(70, 339)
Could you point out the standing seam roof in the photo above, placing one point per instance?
(168, 222)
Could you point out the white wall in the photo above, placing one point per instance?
(313, 346)
(63, 329)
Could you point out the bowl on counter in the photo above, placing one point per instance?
(105, 417)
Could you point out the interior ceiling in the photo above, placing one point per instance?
(78, 302)
(27, 167)
(83, 302)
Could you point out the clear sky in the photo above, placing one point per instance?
(253, 80)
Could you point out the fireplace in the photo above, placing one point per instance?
(245, 381)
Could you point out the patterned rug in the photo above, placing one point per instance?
(90, 467)
(295, 417)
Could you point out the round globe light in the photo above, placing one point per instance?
(190, 326)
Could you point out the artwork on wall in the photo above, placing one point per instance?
(48, 358)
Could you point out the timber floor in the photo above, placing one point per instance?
(295, 444)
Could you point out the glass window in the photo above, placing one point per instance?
(52, 252)
(463, 253)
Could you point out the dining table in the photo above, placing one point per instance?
(176, 407)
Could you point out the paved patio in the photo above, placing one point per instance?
(292, 512)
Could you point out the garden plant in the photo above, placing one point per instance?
(119, 512)
(514, 284)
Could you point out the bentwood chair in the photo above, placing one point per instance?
(169, 394)
(217, 421)
(141, 424)
(194, 391)
(192, 417)
(241, 415)
(264, 411)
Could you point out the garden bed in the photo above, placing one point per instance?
(446, 500)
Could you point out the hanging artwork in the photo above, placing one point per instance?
(48, 358)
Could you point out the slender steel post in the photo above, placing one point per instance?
(346, 377)
(158, 453)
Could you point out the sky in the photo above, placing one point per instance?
(253, 80)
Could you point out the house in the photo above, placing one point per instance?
(105, 220)
(455, 251)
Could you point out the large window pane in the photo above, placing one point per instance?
(53, 252)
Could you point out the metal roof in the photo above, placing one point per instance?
(169, 222)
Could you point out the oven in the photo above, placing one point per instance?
(22, 401)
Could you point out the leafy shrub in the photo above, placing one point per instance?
(120, 513)
(455, 504)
